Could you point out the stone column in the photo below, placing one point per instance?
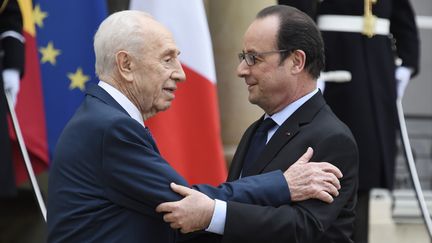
(228, 20)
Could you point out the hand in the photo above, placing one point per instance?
(11, 82)
(313, 180)
(403, 75)
(192, 213)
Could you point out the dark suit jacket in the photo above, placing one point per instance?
(314, 125)
(107, 177)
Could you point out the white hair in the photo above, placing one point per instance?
(120, 31)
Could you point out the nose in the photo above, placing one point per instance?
(178, 75)
(243, 69)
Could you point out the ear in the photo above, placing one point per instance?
(124, 65)
(299, 60)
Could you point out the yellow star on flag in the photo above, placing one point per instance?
(39, 16)
(78, 79)
(49, 53)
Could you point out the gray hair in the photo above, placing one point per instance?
(120, 31)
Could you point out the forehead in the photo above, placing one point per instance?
(261, 34)
(160, 40)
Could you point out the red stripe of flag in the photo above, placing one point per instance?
(31, 116)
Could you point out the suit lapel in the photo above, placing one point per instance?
(239, 156)
(287, 131)
(99, 93)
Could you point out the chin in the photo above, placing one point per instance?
(164, 107)
(252, 100)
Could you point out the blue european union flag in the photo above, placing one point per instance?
(64, 33)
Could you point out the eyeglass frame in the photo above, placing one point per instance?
(243, 55)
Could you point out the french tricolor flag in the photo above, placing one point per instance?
(188, 134)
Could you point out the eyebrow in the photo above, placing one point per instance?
(250, 51)
(171, 51)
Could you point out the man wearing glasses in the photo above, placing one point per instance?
(283, 55)
(107, 175)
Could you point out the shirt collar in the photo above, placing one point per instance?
(281, 116)
(118, 96)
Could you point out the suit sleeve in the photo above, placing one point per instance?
(138, 177)
(303, 221)
(265, 189)
(135, 174)
(404, 30)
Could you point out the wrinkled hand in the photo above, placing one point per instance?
(192, 213)
(313, 180)
(11, 83)
(403, 75)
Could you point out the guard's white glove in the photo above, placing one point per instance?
(11, 82)
(321, 84)
(403, 75)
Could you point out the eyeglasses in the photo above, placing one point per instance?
(250, 57)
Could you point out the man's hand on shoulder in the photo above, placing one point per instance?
(308, 180)
(192, 213)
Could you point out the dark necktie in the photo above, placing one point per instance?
(256, 146)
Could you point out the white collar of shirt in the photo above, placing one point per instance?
(281, 116)
(130, 108)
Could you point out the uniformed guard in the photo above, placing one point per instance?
(11, 68)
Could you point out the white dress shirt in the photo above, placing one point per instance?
(124, 102)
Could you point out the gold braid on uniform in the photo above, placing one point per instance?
(369, 20)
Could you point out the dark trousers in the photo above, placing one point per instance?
(361, 230)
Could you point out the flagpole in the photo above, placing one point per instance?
(412, 169)
(26, 157)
